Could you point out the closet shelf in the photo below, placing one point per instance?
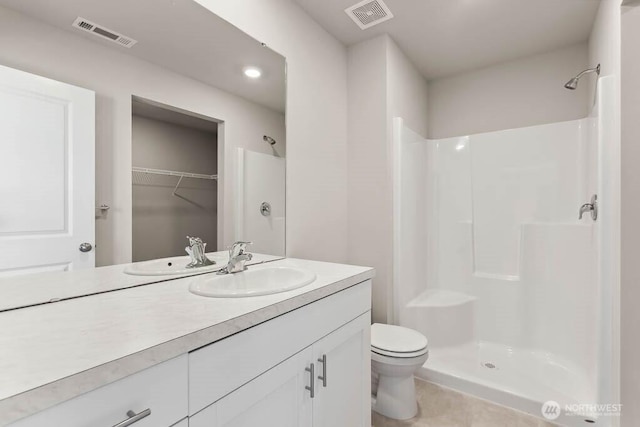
(174, 173)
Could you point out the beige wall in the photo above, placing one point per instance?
(161, 220)
(604, 42)
(316, 121)
(370, 208)
(42, 49)
(382, 84)
(519, 93)
(406, 91)
(630, 293)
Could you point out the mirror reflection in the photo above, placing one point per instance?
(133, 136)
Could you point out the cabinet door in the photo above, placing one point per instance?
(277, 398)
(343, 376)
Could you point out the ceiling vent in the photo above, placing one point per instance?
(368, 13)
(98, 30)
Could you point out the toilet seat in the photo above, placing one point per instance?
(393, 354)
(397, 342)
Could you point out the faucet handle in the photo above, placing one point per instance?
(194, 240)
(238, 247)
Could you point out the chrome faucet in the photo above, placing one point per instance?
(590, 207)
(237, 258)
(196, 251)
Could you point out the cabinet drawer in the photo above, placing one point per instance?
(221, 367)
(162, 389)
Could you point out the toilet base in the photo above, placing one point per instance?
(396, 397)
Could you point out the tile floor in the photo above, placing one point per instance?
(442, 407)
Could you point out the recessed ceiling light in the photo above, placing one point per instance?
(252, 72)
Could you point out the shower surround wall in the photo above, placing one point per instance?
(492, 264)
(503, 223)
(260, 179)
(504, 220)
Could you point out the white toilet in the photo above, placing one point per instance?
(396, 354)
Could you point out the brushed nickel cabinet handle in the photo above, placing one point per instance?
(312, 377)
(323, 377)
(133, 418)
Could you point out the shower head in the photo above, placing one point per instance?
(573, 83)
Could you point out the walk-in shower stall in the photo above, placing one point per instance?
(494, 267)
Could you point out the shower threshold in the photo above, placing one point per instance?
(522, 379)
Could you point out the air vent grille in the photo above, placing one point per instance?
(85, 25)
(103, 32)
(368, 13)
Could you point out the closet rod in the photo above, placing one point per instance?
(174, 173)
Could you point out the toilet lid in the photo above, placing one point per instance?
(396, 339)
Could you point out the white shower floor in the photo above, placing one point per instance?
(520, 379)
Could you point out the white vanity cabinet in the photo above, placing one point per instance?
(311, 368)
(343, 376)
(324, 385)
(307, 367)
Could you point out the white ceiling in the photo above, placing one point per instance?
(444, 37)
(176, 34)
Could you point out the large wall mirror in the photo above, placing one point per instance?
(128, 126)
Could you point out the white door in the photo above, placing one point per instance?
(47, 135)
(343, 376)
(277, 398)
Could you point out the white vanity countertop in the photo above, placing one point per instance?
(53, 352)
(32, 289)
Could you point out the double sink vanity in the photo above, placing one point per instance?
(283, 343)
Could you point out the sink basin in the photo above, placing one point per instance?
(252, 282)
(171, 266)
